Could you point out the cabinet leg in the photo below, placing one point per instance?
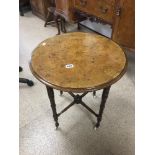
(53, 105)
(102, 105)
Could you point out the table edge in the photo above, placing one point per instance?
(81, 90)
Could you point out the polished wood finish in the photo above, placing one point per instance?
(78, 62)
(120, 14)
(124, 25)
(64, 8)
(39, 7)
(77, 99)
(102, 105)
(50, 93)
(102, 9)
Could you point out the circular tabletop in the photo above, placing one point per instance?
(78, 62)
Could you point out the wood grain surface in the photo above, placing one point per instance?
(78, 62)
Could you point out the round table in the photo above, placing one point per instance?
(78, 62)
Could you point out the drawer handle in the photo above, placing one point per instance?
(104, 9)
(118, 11)
(83, 2)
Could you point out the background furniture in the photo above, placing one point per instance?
(56, 19)
(77, 66)
(39, 7)
(23, 80)
(60, 21)
(50, 14)
(65, 9)
(120, 14)
(23, 4)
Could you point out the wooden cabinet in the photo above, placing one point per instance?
(124, 24)
(39, 7)
(65, 8)
(104, 10)
(101, 8)
(120, 14)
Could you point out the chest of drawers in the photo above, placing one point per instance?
(120, 14)
(102, 9)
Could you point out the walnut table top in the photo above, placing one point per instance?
(78, 62)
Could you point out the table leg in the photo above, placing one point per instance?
(53, 105)
(102, 105)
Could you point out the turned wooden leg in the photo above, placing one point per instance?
(53, 105)
(56, 17)
(102, 105)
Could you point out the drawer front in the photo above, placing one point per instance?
(103, 9)
(83, 5)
